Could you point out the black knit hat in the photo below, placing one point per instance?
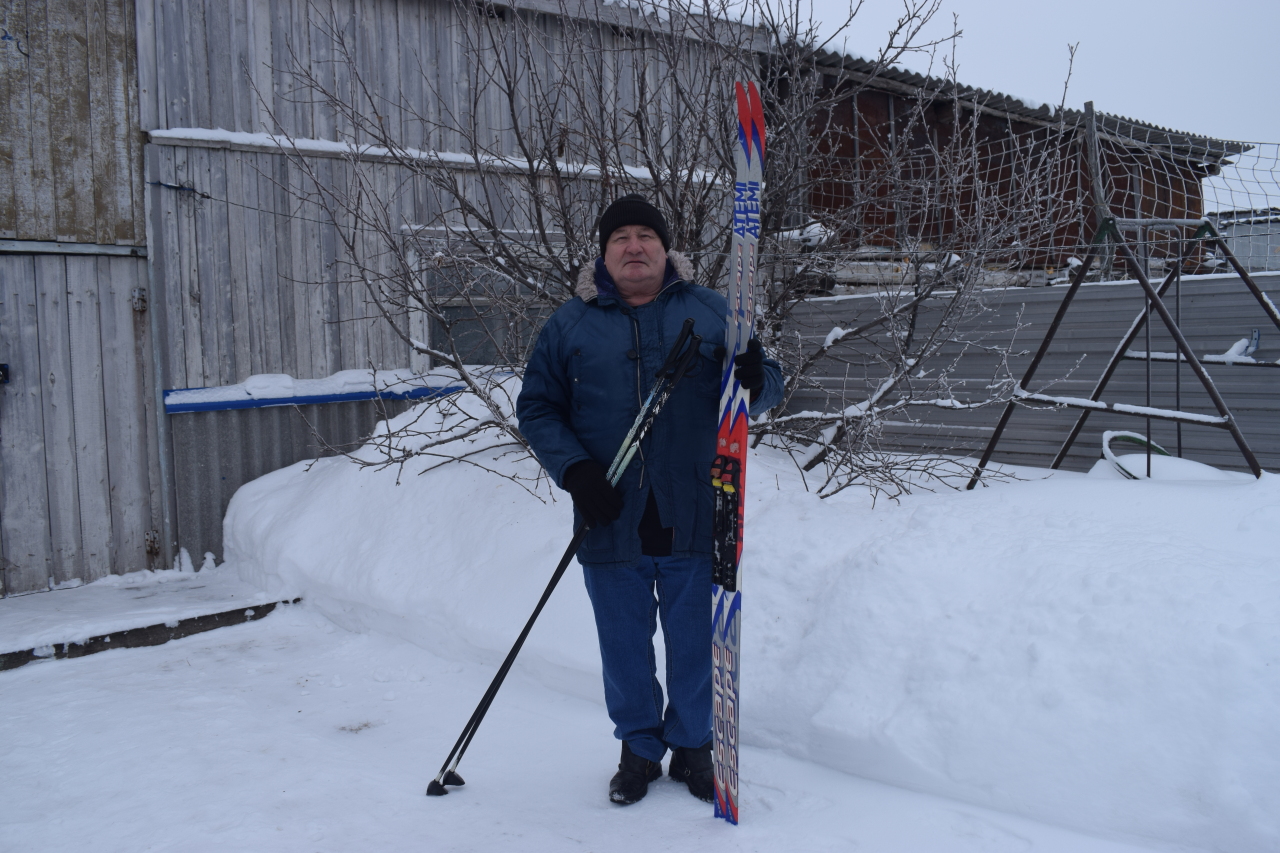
(633, 210)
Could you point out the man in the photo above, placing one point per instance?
(595, 358)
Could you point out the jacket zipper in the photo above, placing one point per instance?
(635, 338)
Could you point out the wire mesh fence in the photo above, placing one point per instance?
(1243, 203)
(1169, 195)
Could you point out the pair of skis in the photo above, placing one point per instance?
(728, 472)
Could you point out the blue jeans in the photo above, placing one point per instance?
(627, 613)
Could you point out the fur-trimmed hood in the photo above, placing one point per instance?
(586, 286)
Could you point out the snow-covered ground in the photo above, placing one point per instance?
(121, 602)
(290, 734)
(1025, 662)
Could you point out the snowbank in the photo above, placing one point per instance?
(1098, 653)
(452, 559)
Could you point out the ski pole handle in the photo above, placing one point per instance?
(676, 351)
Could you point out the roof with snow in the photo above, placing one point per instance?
(1178, 143)
(1264, 216)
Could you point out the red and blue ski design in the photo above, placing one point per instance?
(728, 473)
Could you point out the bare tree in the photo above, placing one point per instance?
(552, 111)
(933, 219)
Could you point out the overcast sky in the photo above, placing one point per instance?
(1194, 66)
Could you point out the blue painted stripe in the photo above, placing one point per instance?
(223, 405)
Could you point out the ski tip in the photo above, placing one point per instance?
(751, 132)
(435, 789)
(757, 117)
(744, 119)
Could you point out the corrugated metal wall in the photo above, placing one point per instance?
(217, 452)
(1216, 312)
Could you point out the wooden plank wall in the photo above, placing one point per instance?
(248, 278)
(247, 281)
(243, 278)
(251, 277)
(70, 150)
(228, 63)
(78, 457)
(1216, 311)
(245, 273)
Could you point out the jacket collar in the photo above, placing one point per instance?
(594, 281)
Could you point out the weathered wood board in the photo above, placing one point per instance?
(70, 150)
(76, 428)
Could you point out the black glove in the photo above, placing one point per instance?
(748, 366)
(596, 499)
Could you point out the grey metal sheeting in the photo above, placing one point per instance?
(1217, 311)
(217, 452)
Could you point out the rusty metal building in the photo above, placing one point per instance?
(901, 124)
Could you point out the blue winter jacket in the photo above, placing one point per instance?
(594, 361)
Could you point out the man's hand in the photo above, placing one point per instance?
(596, 499)
(748, 367)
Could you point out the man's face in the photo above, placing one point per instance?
(635, 258)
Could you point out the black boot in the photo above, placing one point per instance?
(631, 782)
(692, 766)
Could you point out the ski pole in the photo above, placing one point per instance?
(678, 362)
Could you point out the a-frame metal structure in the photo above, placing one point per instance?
(1110, 233)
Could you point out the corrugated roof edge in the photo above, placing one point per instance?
(1178, 143)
